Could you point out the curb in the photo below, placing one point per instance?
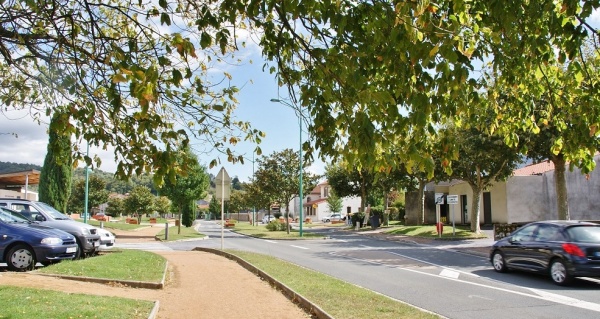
(130, 283)
(296, 298)
(154, 311)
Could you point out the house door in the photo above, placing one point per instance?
(463, 205)
(487, 208)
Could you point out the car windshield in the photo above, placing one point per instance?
(585, 234)
(55, 214)
(8, 217)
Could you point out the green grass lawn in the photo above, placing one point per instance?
(27, 303)
(134, 265)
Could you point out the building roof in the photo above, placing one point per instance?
(534, 169)
(315, 202)
(30, 177)
(317, 189)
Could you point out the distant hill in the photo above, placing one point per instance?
(9, 167)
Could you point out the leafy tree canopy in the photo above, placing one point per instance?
(133, 75)
(371, 72)
(97, 194)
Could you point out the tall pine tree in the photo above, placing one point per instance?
(57, 172)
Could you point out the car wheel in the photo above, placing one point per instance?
(20, 258)
(559, 273)
(79, 254)
(499, 262)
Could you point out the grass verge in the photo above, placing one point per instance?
(115, 225)
(336, 297)
(134, 265)
(26, 303)
(186, 233)
(261, 231)
(429, 231)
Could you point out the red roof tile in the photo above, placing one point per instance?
(534, 169)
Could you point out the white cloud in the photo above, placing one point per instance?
(23, 140)
(594, 19)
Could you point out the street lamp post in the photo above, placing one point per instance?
(301, 210)
(87, 178)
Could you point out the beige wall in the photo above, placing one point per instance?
(461, 189)
(499, 203)
(13, 194)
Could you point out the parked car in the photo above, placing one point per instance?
(562, 249)
(107, 239)
(87, 236)
(267, 219)
(332, 217)
(23, 243)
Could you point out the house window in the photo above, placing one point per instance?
(463, 201)
(326, 192)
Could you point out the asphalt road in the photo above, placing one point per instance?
(442, 280)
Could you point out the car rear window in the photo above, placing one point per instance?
(585, 234)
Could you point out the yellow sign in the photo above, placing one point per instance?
(314, 205)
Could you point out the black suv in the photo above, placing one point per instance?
(87, 238)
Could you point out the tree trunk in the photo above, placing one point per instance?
(477, 192)
(179, 228)
(421, 218)
(287, 219)
(560, 183)
(363, 195)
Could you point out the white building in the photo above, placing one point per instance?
(315, 204)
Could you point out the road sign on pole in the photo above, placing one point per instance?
(439, 198)
(452, 199)
(223, 183)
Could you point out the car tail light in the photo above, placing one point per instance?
(573, 249)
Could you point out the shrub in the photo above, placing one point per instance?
(276, 225)
(377, 211)
(358, 218)
(394, 213)
(401, 209)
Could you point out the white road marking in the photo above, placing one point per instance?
(567, 300)
(299, 247)
(436, 265)
(449, 273)
(271, 241)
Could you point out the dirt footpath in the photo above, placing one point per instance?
(198, 285)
